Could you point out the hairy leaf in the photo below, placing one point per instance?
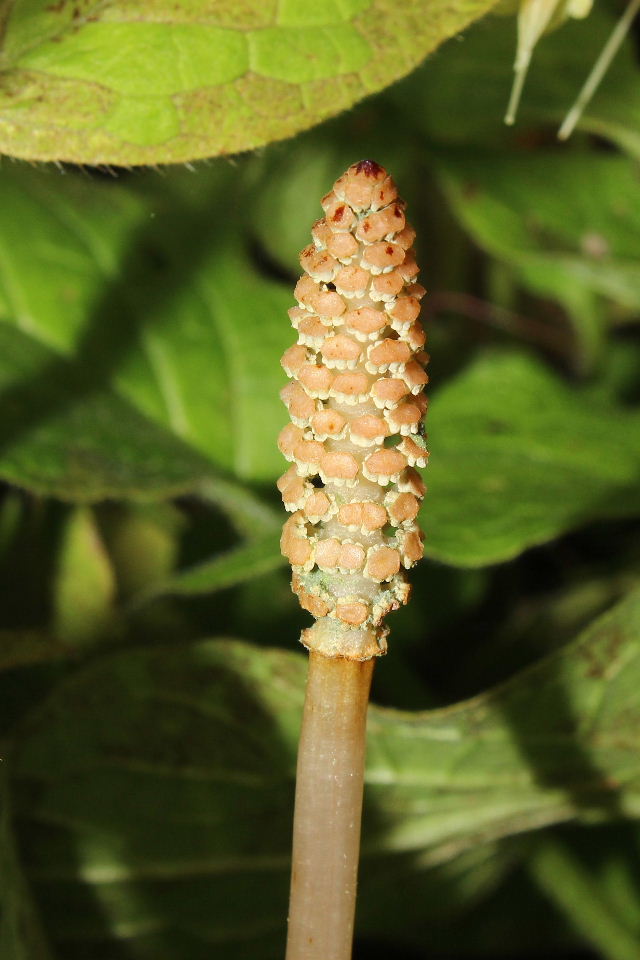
(159, 82)
(154, 790)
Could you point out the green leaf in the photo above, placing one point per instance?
(460, 95)
(84, 583)
(575, 251)
(518, 458)
(566, 881)
(21, 936)
(253, 558)
(62, 437)
(153, 790)
(592, 235)
(11, 513)
(402, 901)
(137, 84)
(128, 326)
(250, 515)
(142, 542)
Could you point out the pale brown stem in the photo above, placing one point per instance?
(326, 826)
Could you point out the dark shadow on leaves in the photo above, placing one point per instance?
(199, 746)
(162, 255)
(554, 739)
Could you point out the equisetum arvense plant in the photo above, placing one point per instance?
(356, 437)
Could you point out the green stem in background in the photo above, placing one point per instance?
(326, 829)
(533, 19)
(600, 67)
(570, 885)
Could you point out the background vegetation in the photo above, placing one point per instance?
(151, 688)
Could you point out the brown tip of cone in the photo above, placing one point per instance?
(370, 169)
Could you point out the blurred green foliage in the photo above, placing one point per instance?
(150, 689)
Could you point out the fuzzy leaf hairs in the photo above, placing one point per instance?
(356, 404)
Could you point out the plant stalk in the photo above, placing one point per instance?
(599, 69)
(328, 807)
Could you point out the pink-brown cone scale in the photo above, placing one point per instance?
(357, 404)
